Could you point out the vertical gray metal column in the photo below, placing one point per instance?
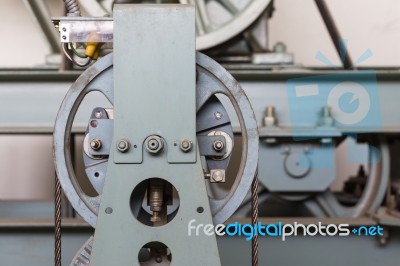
(154, 79)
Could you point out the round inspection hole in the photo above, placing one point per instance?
(96, 174)
(154, 202)
(154, 253)
(200, 209)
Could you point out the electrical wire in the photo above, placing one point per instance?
(76, 52)
(68, 54)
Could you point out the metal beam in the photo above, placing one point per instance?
(42, 15)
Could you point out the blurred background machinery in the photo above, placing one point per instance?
(316, 161)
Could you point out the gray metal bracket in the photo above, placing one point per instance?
(154, 94)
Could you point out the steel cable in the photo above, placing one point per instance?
(57, 223)
(254, 220)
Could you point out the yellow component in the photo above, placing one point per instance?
(91, 49)
(96, 54)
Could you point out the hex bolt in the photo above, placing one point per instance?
(270, 111)
(218, 145)
(270, 117)
(218, 115)
(326, 117)
(217, 176)
(186, 145)
(95, 144)
(154, 144)
(326, 111)
(280, 47)
(98, 114)
(123, 145)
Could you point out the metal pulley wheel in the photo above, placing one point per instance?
(212, 80)
(326, 204)
(217, 21)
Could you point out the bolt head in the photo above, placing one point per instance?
(123, 145)
(280, 47)
(95, 144)
(218, 115)
(218, 145)
(158, 259)
(217, 176)
(186, 145)
(154, 144)
(98, 114)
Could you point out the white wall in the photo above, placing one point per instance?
(22, 43)
(367, 24)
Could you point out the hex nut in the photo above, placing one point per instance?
(186, 145)
(154, 144)
(218, 115)
(98, 114)
(217, 176)
(95, 144)
(270, 119)
(123, 145)
(218, 145)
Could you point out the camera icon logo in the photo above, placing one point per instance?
(352, 99)
(353, 102)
